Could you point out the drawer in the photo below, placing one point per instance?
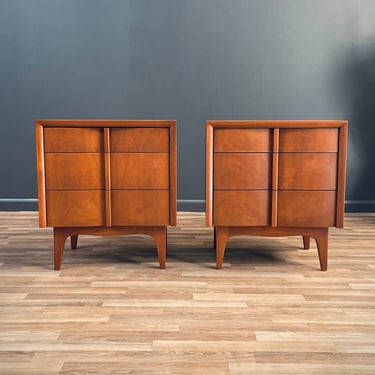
(140, 171)
(75, 208)
(306, 208)
(242, 140)
(73, 139)
(72, 171)
(140, 140)
(309, 140)
(242, 171)
(306, 171)
(137, 207)
(242, 207)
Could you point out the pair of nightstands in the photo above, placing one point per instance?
(112, 177)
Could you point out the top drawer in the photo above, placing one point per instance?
(309, 140)
(73, 139)
(242, 140)
(140, 140)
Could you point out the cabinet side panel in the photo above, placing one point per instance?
(209, 173)
(173, 174)
(107, 177)
(341, 175)
(275, 176)
(41, 175)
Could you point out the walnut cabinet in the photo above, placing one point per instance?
(106, 177)
(275, 178)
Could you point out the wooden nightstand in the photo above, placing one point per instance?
(275, 178)
(106, 177)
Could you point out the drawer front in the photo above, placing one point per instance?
(75, 208)
(242, 171)
(242, 140)
(72, 171)
(309, 140)
(140, 140)
(242, 207)
(137, 207)
(306, 171)
(140, 171)
(306, 208)
(73, 140)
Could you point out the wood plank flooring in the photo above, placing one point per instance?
(111, 310)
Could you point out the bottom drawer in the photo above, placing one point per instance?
(75, 208)
(242, 207)
(306, 208)
(140, 207)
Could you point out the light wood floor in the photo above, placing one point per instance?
(111, 310)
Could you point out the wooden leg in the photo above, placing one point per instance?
(221, 240)
(215, 238)
(306, 242)
(321, 239)
(166, 242)
(73, 241)
(160, 237)
(59, 238)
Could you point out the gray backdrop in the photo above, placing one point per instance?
(189, 60)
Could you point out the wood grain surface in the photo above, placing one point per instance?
(242, 207)
(243, 140)
(139, 140)
(315, 209)
(76, 208)
(309, 140)
(307, 171)
(111, 310)
(140, 207)
(140, 170)
(242, 171)
(73, 140)
(74, 171)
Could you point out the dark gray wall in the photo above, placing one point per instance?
(190, 60)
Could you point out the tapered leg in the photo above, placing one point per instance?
(221, 240)
(160, 237)
(73, 241)
(306, 242)
(59, 238)
(215, 238)
(321, 239)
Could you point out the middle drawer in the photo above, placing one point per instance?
(74, 171)
(307, 171)
(140, 171)
(242, 170)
